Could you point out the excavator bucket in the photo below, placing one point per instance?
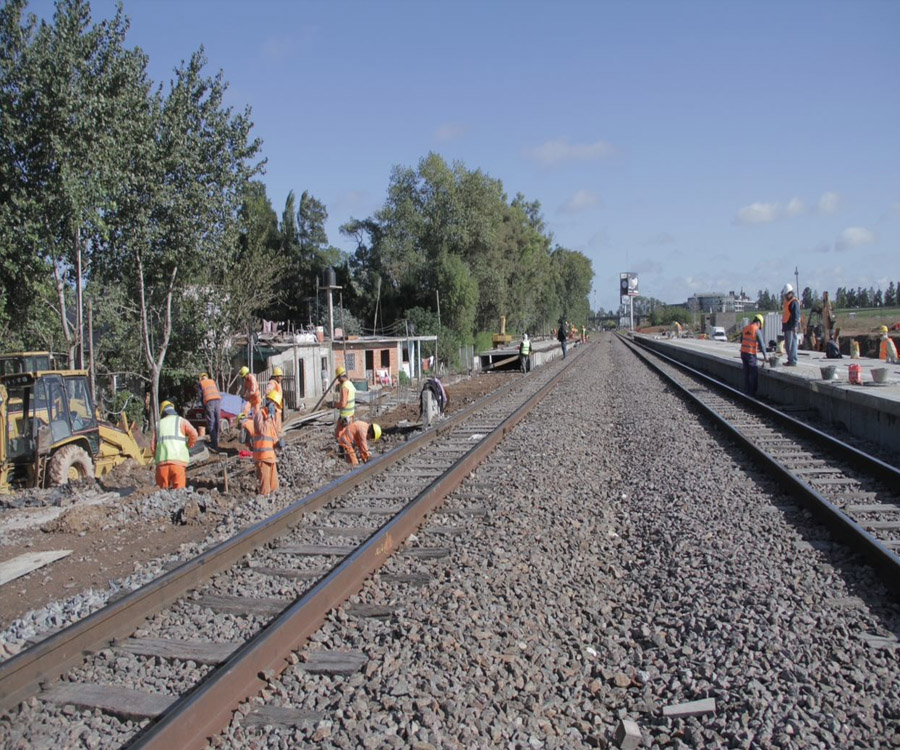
(120, 443)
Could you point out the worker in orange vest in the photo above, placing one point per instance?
(250, 390)
(355, 436)
(887, 350)
(275, 399)
(212, 405)
(264, 457)
(790, 324)
(171, 446)
(751, 344)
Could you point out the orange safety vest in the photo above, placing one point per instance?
(264, 444)
(786, 314)
(210, 391)
(749, 344)
(886, 344)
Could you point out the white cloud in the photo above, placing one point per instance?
(828, 203)
(450, 131)
(757, 213)
(854, 237)
(555, 152)
(795, 207)
(581, 201)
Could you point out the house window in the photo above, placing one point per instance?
(385, 357)
(350, 359)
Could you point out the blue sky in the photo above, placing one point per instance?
(706, 146)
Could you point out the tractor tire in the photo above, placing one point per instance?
(70, 463)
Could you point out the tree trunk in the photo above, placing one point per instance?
(79, 301)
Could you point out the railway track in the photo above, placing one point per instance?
(222, 624)
(856, 495)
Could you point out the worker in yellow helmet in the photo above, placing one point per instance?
(275, 399)
(887, 350)
(250, 388)
(354, 437)
(171, 446)
(346, 401)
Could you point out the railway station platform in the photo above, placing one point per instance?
(870, 411)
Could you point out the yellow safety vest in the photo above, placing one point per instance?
(526, 348)
(171, 443)
(350, 408)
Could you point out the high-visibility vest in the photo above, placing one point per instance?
(749, 344)
(525, 350)
(264, 444)
(349, 409)
(786, 312)
(275, 395)
(210, 391)
(171, 443)
(887, 347)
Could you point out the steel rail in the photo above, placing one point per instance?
(24, 674)
(884, 560)
(209, 708)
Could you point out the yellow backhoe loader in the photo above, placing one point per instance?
(50, 434)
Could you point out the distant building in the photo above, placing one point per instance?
(713, 302)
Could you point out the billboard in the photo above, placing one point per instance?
(628, 284)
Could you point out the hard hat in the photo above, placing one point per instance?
(277, 372)
(788, 289)
(883, 329)
(241, 417)
(340, 371)
(759, 319)
(166, 405)
(244, 372)
(203, 375)
(376, 432)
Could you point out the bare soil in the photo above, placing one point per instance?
(105, 550)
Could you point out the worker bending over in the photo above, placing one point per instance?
(212, 405)
(887, 351)
(250, 390)
(354, 436)
(264, 440)
(275, 399)
(751, 344)
(171, 448)
(346, 401)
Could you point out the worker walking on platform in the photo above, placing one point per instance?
(887, 351)
(751, 344)
(174, 438)
(264, 457)
(354, 437)
(790, 323)
(212, 406)
(346, 402)
(275, 399)
(250, 389)
(525, 354)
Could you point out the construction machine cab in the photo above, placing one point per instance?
(49, 429)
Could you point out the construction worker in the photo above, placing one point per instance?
(264, 457)
(752, 343)
(346, 402)
(250, 388)
(171, 448)
(887, 351)
(524, 353)
(355, 436)
(583, 334)
(790, 324)
(212, 405)
(275, 399)
(562, 335)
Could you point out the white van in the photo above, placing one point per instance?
(718, 334)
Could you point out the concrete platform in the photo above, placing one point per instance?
(870, 411)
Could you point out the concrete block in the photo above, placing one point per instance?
(694, 708)
(628, 735)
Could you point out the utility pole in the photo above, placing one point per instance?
(797, 282)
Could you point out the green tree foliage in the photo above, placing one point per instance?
(669, 314)
(890, 296)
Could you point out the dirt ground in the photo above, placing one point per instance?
(104, 548)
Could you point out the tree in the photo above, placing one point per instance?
(890, 296)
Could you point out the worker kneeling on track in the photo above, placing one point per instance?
(354, 437)
(174, 438)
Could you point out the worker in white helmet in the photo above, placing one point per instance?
(790, 324)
